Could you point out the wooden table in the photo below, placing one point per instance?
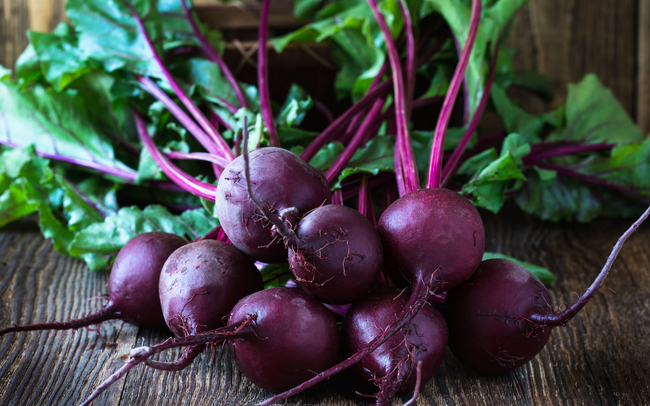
(600, 358)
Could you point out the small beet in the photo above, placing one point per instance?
(432, 231)
(132, 285)
(502, 316)
(288, 186)
(392, 366)
(339, 255)
(296, 337)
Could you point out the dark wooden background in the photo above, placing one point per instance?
(600, 358)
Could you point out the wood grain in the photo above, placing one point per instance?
(566, 39)
(643, 87)
(600, 358)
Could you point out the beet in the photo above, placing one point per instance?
(392, 366)
(295, 337)
(201, 282)
(432, 231)
(489, 317)
(339, 256)
(279, 338)
(287, 185)
(132, 285)
(502, 316)
(199, 285)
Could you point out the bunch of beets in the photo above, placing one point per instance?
(425, 251)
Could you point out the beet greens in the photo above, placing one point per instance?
(145, 128)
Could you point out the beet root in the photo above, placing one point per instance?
(201, 282)
(295, 337)
(502, 316)
(132, 285)
(339, 255)
(285, 183)
(490, 317)
(392, 366)
(432, 231)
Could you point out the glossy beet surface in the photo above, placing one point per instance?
(201, 282)
(282, 180)
(489, 317)
(133, 282)
(426, 338)
(340, 254)
(294, 338)
(432, 228)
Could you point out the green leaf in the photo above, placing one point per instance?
(327, 155)
(377, 156)
(109, 35)
(98, 242)
(275, 275)
(493, 177)
(543, 274)
(61, 60)
(57, 125)
(494, 19)
(515, 119)
(594, 115)
(295, 107)
(5, 73)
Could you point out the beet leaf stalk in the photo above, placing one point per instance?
(214, 56)
(408, 167)
(338, 165)
(262, 75)
(173, 172)
(215, 137)
(435, 163)
(452, 163)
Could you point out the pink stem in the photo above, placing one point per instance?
(409, 167)
(437, 149)
(179, 177)
(450, 166)
(214, 56)
(215, 138)
(262, 76)
(351, 148)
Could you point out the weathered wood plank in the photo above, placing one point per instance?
(566, 39)
(17, 16)
(599, 358)
(643, 80)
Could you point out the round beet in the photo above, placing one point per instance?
(201, 282)
(490, 317)
(132, 285)
(339, 255)
(432, 231)
(289, 187)
(392, 365)
(295, 337)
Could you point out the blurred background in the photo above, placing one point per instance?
(562, 39)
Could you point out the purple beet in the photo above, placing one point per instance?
(338, 255)
(432, 232)
(502, 316)
(288, 186)
(392, 366)
(199, 285)
(295, 337)
(132, 285)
